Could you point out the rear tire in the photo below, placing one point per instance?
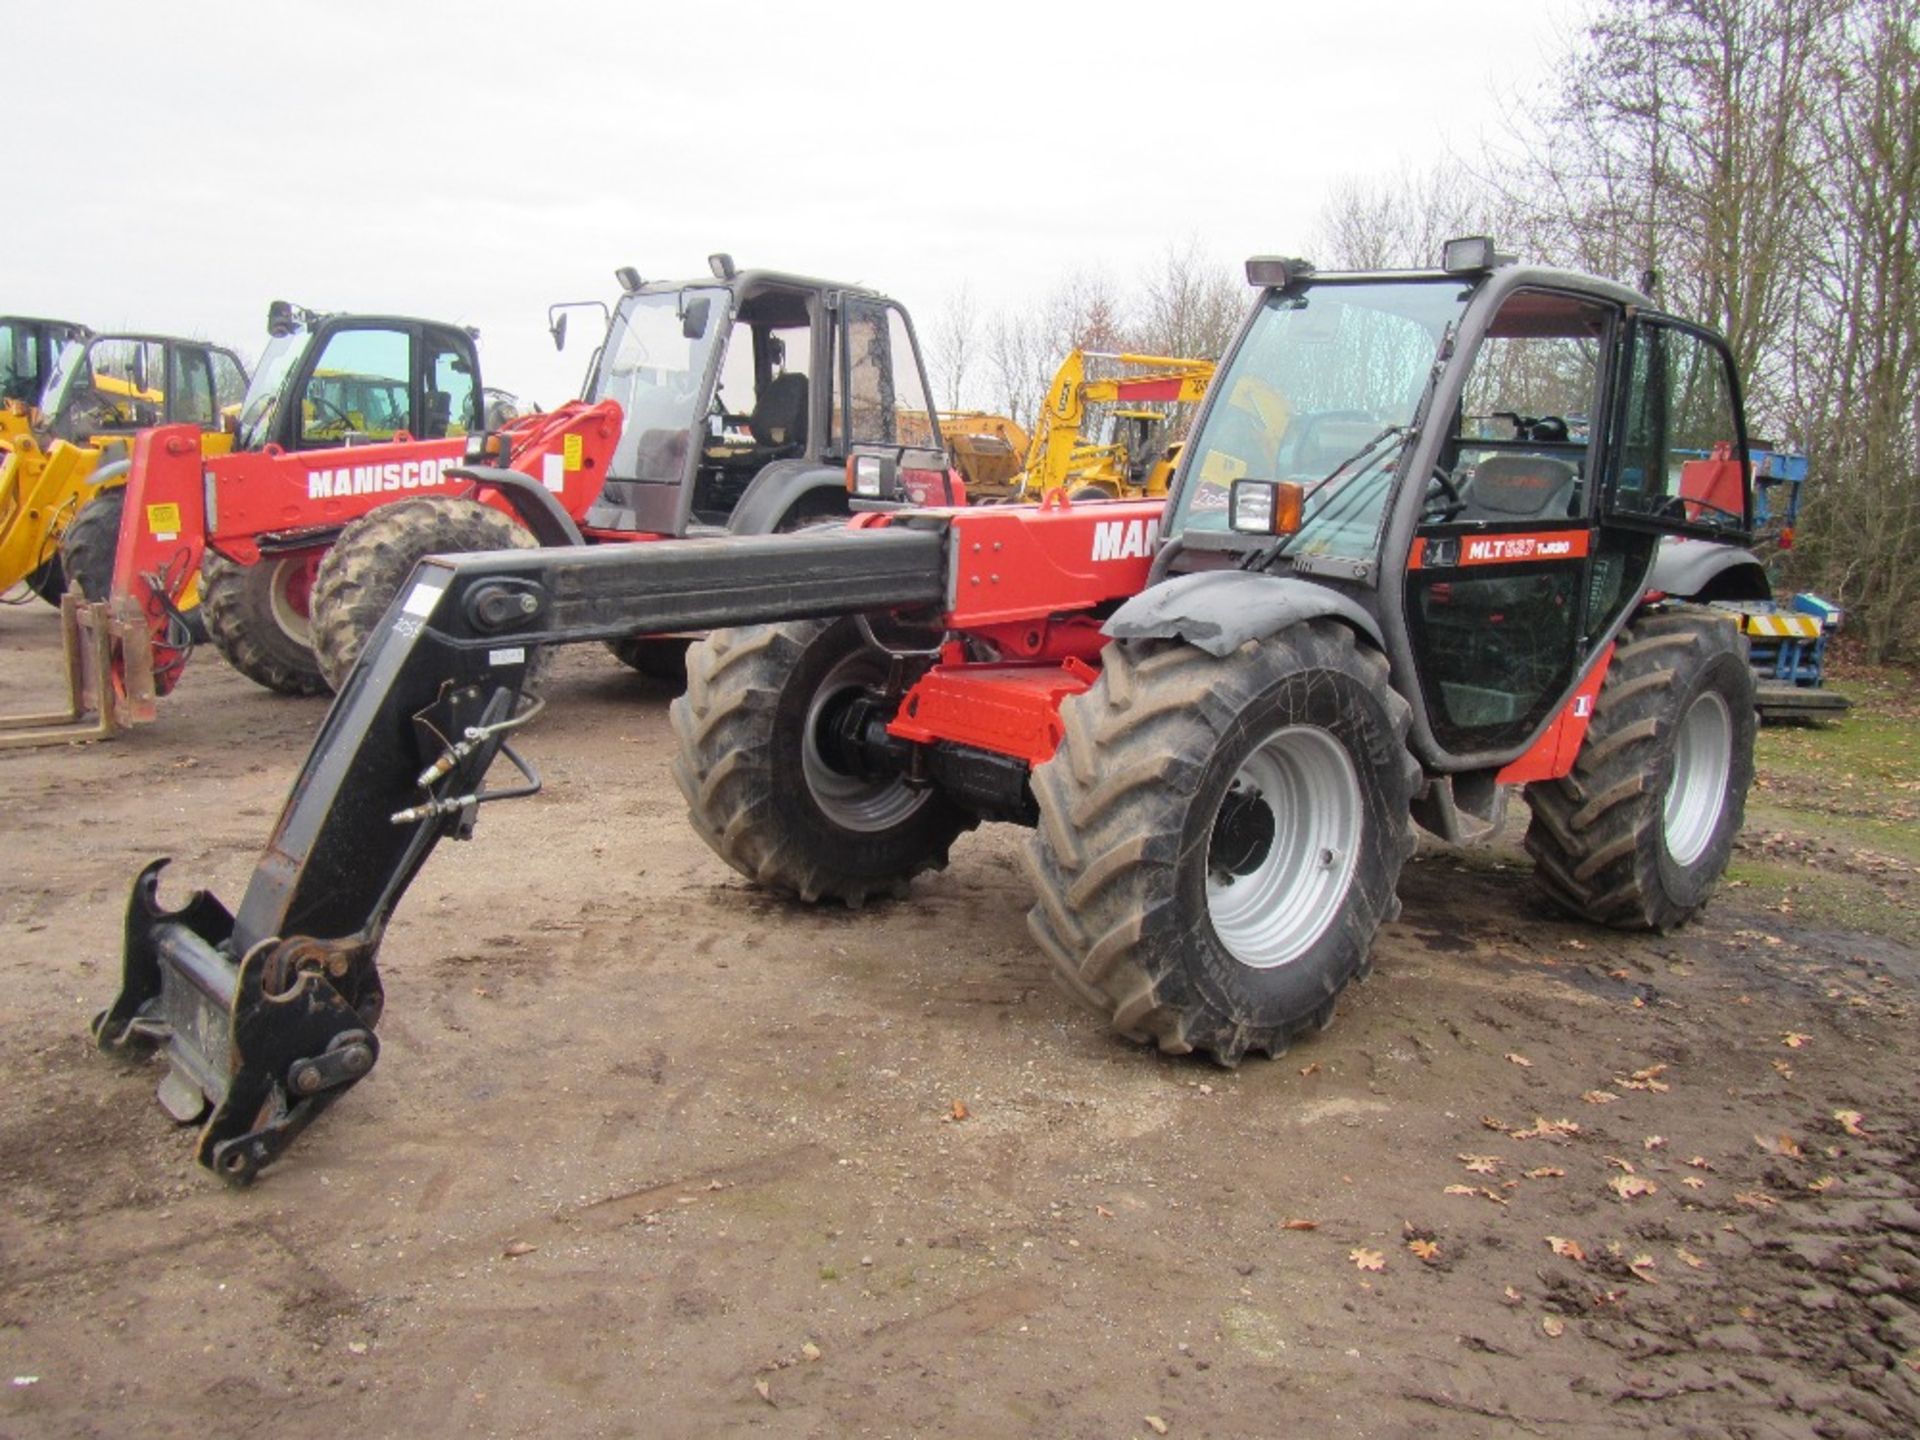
(370, 562)
(258, 617)
(1640, 832)
(1220, 838)
(768, 796)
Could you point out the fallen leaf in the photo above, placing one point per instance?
(1479, 1190)
(1793, 1039)
(1367, 1259)
(810, 1351)
(1755, 1199)
(516, 1248)
(1823, 1184)
(1786, 1070)
(960, 1111)
(1553, 1326)
(1781, 1144)
(1427, 1250)
(1155, 1424)
(1519, 1060)
(1599, 1097)
(1102, 1211)
(1693, 1182)
(1642, 1267)
(1313, 1069)
(1654, 1142)
(1619, 1164)
(1700, 1162)
(1690, 1260)
(1545, 1172)
(1628, 1186)
(1299, 1224)
(1552, 1129)
(1569, 1248)
(1511, 1296)
(1480, 1164)
(763, 1390)
(1850, 1122)
(1652, 1072)
(1576, 944)
(356, 1347)
(1619, 974)
(1490, 1123)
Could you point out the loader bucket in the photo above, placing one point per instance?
(103, 698)
(255, 1048)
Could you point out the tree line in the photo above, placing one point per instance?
(1759, 158)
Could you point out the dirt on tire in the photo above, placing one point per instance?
(238, 603)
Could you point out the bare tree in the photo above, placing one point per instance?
(953, 347)
(1401, 221)
(1190, 305)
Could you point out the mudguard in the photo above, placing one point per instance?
(533, 504)
(778, 488)
(1707, 570)
(1220, 610)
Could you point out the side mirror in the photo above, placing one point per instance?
(558, 329)
(777, 352)
(693, 319)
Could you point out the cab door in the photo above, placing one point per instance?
(1499, 584)
(883, 396)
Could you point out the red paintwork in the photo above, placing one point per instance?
(1552, 755)
(1533, 547)
(294, 496)
(1721, 480)
(1008, 709)
(1166, 389)
(1016, 563)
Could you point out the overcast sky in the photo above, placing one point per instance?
(473, 162)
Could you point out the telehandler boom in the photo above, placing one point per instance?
(1381, 594)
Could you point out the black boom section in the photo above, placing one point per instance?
(451, 655)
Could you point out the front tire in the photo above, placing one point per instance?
(370, 562)
(258, 617)
(1641, 830)
(765, 785)
(1220, 838)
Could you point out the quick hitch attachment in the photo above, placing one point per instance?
(256, 1048)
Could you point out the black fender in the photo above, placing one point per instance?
(1218, 611)
(779, 487)
(1707, 570)
(532, 502)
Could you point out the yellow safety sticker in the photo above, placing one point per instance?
(163, 519)
(571, 448)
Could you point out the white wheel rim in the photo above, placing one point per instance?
(1283, 847)
(1697, 790)
(291, 622)
(851, 801)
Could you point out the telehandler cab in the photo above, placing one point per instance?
(1412, 560)
(28, 348)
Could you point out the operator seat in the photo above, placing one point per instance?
(1521, 487)
(778, 423)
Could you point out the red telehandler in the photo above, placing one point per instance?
(1412, 564)
(724, 405)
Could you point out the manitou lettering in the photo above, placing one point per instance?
(377, 479)
(1124, 539)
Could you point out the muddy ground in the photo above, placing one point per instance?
(650, 1154)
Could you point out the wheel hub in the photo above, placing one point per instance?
(1702, 768)
(851, 799)
(1283, 846)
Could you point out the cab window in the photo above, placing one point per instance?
(450, 393)
(190, 387)
(358, 388)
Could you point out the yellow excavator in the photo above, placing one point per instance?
(58, 454)
(1131, 457)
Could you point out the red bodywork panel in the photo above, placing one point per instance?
(1719, 480)
(1008, 709)
(1552, 755)
(179, 505)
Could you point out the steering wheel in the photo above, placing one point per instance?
(321, 405)
(1454, 503)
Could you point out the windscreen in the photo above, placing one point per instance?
(1320, 391)
(263, 393)
(655, 365)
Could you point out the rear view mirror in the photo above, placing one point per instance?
(558, 329)
(693, 319)
(777, 352)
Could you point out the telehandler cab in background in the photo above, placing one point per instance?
(70, 445)
(28, 349)
(1392, 584)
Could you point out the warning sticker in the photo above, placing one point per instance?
(423, 597)
(553, 475)
(571, 446)
(164, 520)
(515, 656)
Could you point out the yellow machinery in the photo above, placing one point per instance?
(58, 455)
(1132, 457)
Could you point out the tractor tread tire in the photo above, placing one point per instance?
(1597, 836)
(1114, 801)
(88, 544)
(368, 565)
(240, 623)
(740, 781)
